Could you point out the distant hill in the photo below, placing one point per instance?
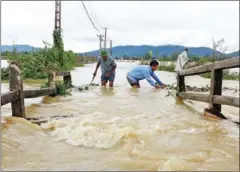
(163, 50)
(234, 54)
(133, 51)
(19, 48)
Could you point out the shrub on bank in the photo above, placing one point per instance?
(166, 67)
(35, 65)
(61, 88)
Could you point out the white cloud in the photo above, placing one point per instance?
(190, 23)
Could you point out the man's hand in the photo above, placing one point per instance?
(163, 86)
(157, 86)
(95, 73)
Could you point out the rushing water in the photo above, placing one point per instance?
(120, 128)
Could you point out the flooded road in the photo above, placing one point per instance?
(120, 128)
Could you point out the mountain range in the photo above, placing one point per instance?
(19, 48)
(133, 51)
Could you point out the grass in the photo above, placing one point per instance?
(80, 65)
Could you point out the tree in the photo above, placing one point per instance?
(58, 44)
(149, 55)
(218, 46)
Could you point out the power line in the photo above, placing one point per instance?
(90, 18)
(94, 14)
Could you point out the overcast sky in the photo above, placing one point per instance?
(130, 23)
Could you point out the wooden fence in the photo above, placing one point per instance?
(17, 94)
(215, 98)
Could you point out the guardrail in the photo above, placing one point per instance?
(16, 95)
(215, 98)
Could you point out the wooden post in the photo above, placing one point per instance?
(180, 83)
(16, 83)
(67, 80)
(215, 88)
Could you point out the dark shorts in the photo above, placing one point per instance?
(132, 81)
(106, 79)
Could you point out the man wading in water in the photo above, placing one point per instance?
(108, 66)
(145, 72)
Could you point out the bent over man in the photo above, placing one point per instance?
(108, 66)
(145, 72)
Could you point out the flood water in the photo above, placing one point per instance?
(120, 128)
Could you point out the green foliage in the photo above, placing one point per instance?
(4, 73)
(58, 45)
(36, 65)
(61, 88)
(149, 55)
(226, 75)
(174, 56)
(166, 67)
(144, 62)
(80, 65)
(204, 60)
(45, 85)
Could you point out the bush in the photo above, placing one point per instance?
(37, 65)
(5, 74)
(226, 75)
(166, 67)
(61, 88)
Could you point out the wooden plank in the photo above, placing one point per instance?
(8, 97)
(224, 64)
(38, 92)
(63, 73)
(224, 100)
(194, 96)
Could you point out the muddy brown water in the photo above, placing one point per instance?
(120, 129)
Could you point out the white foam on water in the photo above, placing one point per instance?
(231, 129)
(89, 133)
(174, 164)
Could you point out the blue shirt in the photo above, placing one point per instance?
(141, 72)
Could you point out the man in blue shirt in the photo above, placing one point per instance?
(145, 72)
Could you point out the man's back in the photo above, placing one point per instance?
(140, 71)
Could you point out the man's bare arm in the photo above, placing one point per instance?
(97, 66)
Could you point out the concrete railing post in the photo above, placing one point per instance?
(16, 83)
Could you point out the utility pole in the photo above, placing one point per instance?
(105, 38)
(110, 47)
(57, 15)
(100, 41)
